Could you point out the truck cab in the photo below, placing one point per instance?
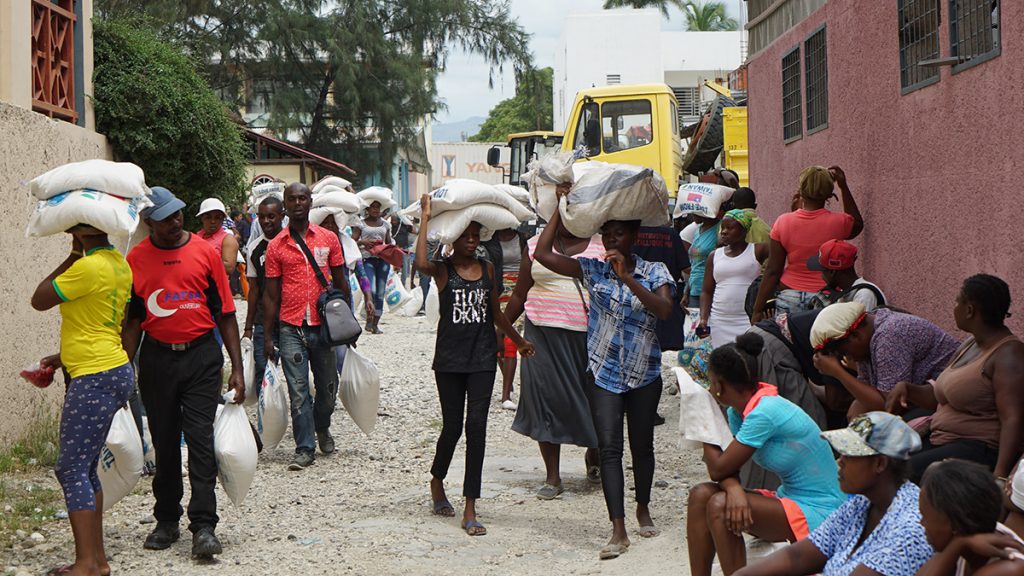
(525, 147)
(633, 124)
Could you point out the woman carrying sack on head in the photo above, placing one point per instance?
(369, 232)
(92, 287)
(627, 297)
(464, 366)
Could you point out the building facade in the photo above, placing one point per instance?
(46, 120)
(918, 101)
(630, 47)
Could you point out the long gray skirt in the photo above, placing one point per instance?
(553, 405)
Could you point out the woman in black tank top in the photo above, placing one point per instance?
(464, 364)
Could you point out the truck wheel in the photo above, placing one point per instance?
(707, 142)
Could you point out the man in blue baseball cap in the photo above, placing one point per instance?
(180, 292)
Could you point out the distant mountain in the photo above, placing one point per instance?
(457, 131)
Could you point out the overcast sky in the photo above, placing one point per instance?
(463, 86)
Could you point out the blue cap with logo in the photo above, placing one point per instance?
(164, 204)
(873, 434)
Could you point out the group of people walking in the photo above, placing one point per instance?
(812, 343)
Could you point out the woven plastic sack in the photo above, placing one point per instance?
(377, 194)
(114, 215)
(701, 199)
(122, 179)
(336, 181)
(459, 193)
(614, 192)
(448, 226)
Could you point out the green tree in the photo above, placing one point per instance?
(530, 109)
(701, 16)
(353, 80)
(158, 112)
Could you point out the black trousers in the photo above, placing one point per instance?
(180, 391)
(970, 450)
(456, 392)
(607, 408)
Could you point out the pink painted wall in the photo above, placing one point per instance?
(936, 172)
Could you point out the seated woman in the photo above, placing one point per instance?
(977, 399)
(960, 509)
(878, 530)
(889, 346)
(779, 436)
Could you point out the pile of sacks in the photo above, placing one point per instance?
(600, 192)
(460, 202)
(344, 206)
(103, 194)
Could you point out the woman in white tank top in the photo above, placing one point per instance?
(729, 272)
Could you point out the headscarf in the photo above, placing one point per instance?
(741, 216)
(835, 323)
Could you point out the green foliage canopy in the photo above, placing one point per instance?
(158, 112)
(701, 16)
(530, 109)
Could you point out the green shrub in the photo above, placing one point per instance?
(159, 112)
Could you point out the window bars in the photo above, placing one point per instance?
(919, 40)
(816, 80)
(792, 121)
(973, 31)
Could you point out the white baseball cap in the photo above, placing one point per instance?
(211, 205)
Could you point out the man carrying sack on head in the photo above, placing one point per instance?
(180, 292)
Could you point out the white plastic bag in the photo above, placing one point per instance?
(433, 305)
(459, 193)
(377, 194)
(395, 294)
(330, 181)
(701, 199)
(122, 179)
(412, 307)
(614, 192)
(121, 460)
(448, 226)
(249, 371)
(700, 417)
(235, 449)
(360, 390)
(111, 214)
(274, 408)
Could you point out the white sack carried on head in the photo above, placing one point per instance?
(261, 192)
(122, 179)
(614, 192)
(338, 199)
(330, 181)
(700, 418)
(519, 193)
(377, 194)
(111, 214)
(542, 195)
(459, 193)
(701, 199)
(543, 175)
(447, 227)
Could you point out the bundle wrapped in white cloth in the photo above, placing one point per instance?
(336, 181)
(604, 192)
(459, 193)
(117, 216)
(122, 179)
(700, 418)
(701, 199)
(377, 194)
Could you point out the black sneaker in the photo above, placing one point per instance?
(326, 441)
(301, 460)
(161, 538)
(205, 544)
(658, 419)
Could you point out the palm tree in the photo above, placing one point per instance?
(701, 16)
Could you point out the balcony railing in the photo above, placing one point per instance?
(53, 58)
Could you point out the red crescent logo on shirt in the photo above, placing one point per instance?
(154, 307)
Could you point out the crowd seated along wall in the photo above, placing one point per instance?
(30, 144)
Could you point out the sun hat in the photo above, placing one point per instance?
(835, 323)
(873, 434)
(164, 204)
(211, 205)
(833, 255)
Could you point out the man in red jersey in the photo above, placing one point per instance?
(179, 288)
(290, 295)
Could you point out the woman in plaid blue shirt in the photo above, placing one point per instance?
(627, 297)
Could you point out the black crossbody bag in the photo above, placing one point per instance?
(338, 325)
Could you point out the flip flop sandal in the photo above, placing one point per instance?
(649, 531)
(549, 492)
(444, 508)
(474, 528)
(612, 551)
(594, 474)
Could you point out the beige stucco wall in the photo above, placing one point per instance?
(287, 172)
(30, 144)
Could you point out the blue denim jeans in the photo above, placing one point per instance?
(258, 356)
(302, 350)
(377, 273)
(791, 301)
(339, 355)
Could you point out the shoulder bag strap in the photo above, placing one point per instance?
(309, 256)
(575, 280)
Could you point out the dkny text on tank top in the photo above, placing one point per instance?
(469, 305)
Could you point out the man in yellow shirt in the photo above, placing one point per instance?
(91, 287)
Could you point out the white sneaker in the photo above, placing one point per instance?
(509, 405)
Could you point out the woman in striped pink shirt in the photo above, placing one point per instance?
(553, 407)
